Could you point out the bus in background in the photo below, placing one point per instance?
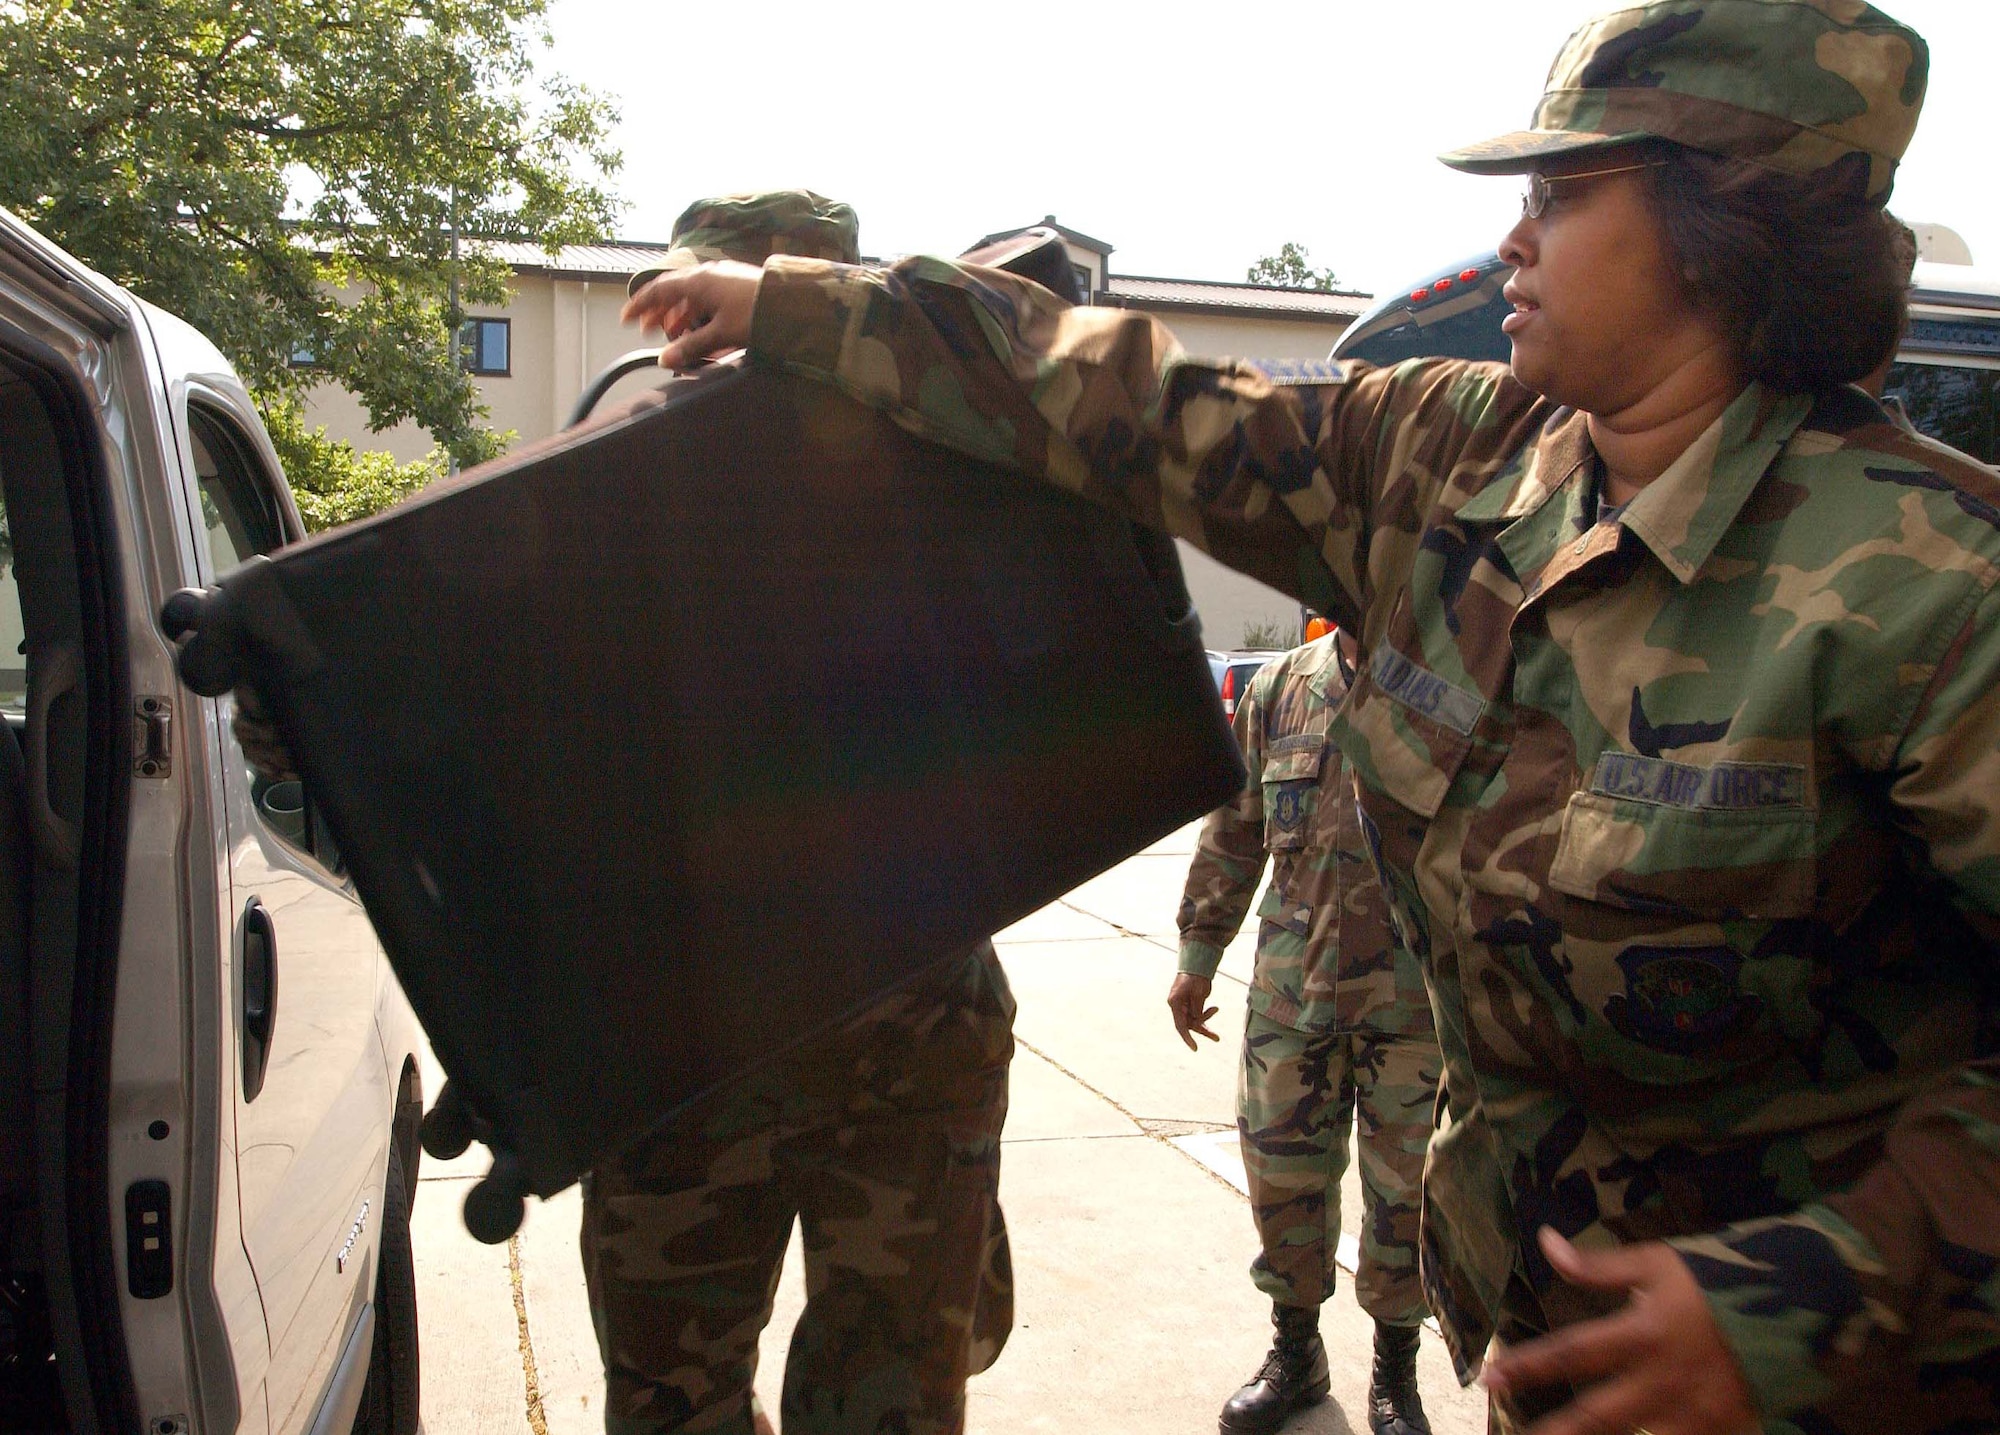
(1946, 374)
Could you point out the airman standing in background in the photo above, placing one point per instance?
(1339, 1035)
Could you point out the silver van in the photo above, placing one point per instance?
(209, 1079)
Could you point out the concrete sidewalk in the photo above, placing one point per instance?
(1123, 1190)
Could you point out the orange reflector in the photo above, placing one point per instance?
(1469, 276)
(1442, 285)
(1418, 296)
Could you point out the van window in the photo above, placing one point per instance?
(239, 512)
(1956, 405)
(13, 635)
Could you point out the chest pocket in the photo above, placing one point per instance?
(1680, 933)
(1702, 863)
(1291, 790)
(1414, 729)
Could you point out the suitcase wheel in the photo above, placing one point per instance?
(447, 1129)
(494, 1208)
(181, 613)
(208, 656)
(208, 666)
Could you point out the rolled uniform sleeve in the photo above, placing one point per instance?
(1894, 1283)
(1229, 855)
(1319, 490)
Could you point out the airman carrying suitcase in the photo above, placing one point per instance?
(657, 747)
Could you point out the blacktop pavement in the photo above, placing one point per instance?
(1124, 1198)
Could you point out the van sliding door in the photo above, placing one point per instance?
(313, 1104)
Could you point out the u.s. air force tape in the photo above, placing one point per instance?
(1724, 787)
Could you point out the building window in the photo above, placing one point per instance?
(304, 356)
(483, 346)
(1083, 284)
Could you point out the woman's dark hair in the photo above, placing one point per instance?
(1811, 282)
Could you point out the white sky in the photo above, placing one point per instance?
(1192, 137)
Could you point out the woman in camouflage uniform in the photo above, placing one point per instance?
(1678, 731)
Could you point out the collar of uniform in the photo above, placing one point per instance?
(1682, 514)
(1314, 662)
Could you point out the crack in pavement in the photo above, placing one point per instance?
(1162, 943)
(1165, 1130)
(1116, 1105)
(537, 1420)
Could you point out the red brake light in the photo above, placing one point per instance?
(1229, 691)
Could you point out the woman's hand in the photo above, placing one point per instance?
(1659, 1365)
(703, 310)
(1185, 1000)
(263, 745)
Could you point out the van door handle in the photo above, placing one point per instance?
(260, 994)
(53, 669)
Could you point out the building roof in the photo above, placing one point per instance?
(615, 259)
(1206, 296)
(1049, 221)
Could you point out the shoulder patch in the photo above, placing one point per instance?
(1299, 372)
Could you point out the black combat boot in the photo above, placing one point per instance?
(1292, 1376)
(1393, 1406)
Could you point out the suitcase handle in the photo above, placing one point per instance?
(627, 363)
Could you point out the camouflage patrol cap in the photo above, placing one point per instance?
(1801, 86)
(750, 228)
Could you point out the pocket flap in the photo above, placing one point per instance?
(1296, 758)
(1404, 750)
(1713, 863)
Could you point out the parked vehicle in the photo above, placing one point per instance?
(1946, 375)
(209, 1085)
(1233, 672)
(1947, 371)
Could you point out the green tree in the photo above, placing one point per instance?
(294, 178)
(1270, 634)
(1290, 268)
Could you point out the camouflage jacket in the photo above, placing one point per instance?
(1689, 815)
(1326, 959)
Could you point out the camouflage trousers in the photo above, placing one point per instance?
(1298, 1093)
(882, 1139)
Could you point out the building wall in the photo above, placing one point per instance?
(1229, 603)
(342, 416)
(1250, 337)
(561, 333)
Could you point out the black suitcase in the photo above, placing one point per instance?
(661, 745)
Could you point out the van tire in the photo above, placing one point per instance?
(389, 1400)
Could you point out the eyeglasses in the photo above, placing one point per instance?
(1536, 200)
